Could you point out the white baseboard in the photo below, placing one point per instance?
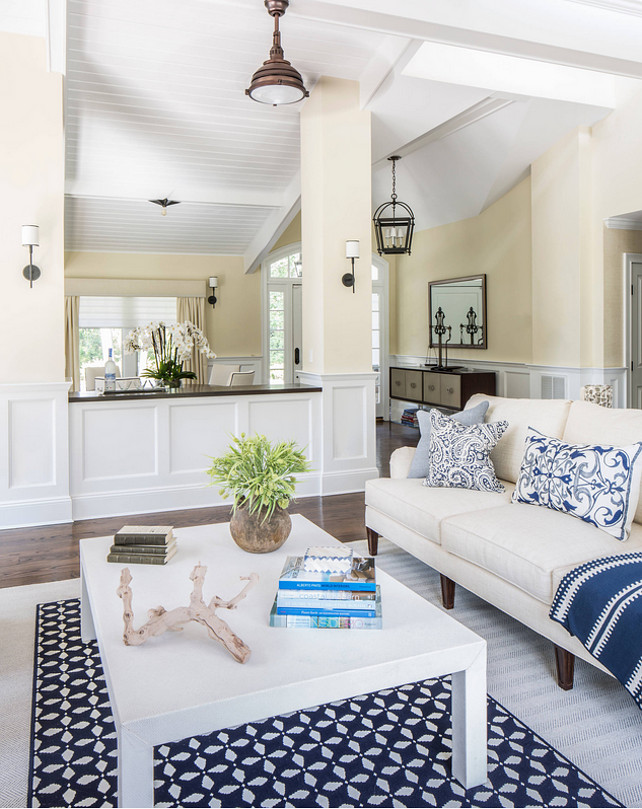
(36, 512)
(346, 482)
(173, 498)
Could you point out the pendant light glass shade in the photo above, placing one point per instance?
(276, 82)
(394, 222)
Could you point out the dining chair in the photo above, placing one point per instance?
(220, 374)
(241, 378)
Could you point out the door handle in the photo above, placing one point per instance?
(296, 356)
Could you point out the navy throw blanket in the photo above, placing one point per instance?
(600, 602)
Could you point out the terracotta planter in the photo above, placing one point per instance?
(255, 536)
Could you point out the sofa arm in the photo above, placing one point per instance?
(400, 461)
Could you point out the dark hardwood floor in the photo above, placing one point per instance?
(50, 552)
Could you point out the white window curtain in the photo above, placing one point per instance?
(193, 309)
(72, 341)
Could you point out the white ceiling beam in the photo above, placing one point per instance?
(389, 57)
(216, 196)
(273, 227)
(546, 30)
(477, 112)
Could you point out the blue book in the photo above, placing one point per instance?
(360, 576)
(329, 620)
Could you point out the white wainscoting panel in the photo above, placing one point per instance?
(116, 437)
(212, 421)
(170, 443)
(518, 381)
(31, 450)
(281, 418)
(349, 443)
(348, 429)
(34, 460)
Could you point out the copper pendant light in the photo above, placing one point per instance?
(277, 81)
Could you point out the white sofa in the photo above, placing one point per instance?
(512, 555)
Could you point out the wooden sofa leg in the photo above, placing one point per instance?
(565, 663)
(373, 541)
(447, 592)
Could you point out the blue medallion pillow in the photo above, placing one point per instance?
(421, 458)
(460, 455)
(597, 484)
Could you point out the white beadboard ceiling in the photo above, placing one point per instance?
(155, 107)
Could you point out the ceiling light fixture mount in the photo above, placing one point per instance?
(165, 203)
(394, 221)
(277, 82)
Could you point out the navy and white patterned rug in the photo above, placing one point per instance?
(386, 749)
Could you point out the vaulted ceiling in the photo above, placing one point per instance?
(155, 107)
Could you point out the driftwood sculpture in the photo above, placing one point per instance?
(160, 620)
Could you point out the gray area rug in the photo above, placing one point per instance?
(597, 724)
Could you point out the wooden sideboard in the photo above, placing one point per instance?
(450, 389)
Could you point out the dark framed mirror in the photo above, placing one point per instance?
(457, 312)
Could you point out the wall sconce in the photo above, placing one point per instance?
(352, 252)
(213, 285)
(31, 239)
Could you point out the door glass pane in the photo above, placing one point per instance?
(276, 334)
(375, 273)
(295, 265)
(375, 320)
(375, 301)
(279, 269)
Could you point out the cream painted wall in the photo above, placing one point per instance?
(291, 234)
(561, 272)
(31, 192)
(335, 153)
(617, 189)
(233, 328)
(616, 244)
(498, 243)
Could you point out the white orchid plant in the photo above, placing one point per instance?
(172, 344)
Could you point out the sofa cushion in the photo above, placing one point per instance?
(597, 483)
(422, 509)
(590, 423)
(459, 455)
(531, 548)
(421, 459)
(546, 415)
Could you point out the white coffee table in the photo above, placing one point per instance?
(183, 684)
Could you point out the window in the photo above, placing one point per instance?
(276, 327)
(104, 322)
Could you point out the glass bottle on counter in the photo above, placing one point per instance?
(110, 372)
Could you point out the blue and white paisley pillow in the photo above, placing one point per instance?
(597, 484)
(460, 456)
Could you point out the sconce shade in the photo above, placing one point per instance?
(352, 248)
(213, 281)
(394, 222)
(30, 235)
(276, 82)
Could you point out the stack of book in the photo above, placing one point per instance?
(409, 417)
(143, 545)
(327, 588)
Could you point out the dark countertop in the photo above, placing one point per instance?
(190, 391)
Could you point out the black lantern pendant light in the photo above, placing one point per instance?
(394, 221)
(277, 81)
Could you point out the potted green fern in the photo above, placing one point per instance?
(260, 476)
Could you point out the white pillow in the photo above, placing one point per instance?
(460, 456)
(597, 484)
